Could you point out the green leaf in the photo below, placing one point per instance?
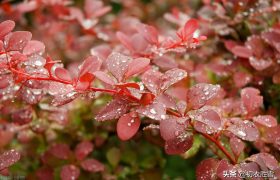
(113, 156)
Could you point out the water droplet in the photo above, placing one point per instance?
(153, 111)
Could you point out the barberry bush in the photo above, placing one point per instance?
(144, 89)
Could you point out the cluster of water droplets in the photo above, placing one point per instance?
(156, 110)
(244, 129)
(113, 110)
(8, 158)
(171, 77)
(117, 64)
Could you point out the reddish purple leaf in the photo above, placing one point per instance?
(18, 40)
(124, 39)
(117, 64)
(201, 93)
(150, 33)
(92, 165)
(34, 47)
(236, 145)
(207, 116)
(63, 99)
(171, 77)
(244, 129)
(151, 80)
(90, 65)
(206, 170)
(22, 116)
(172, 127)
(138, 43)
(265, 159)
(45, 173)
(266, 120)
(241, 51)
(260, 64)
(83, 149)
(241, 79)
(147, 98)
(9, 158)
(156, 110)
(6, 27)
(189, 28)
(4, 83)
(69, 172)
(128, 126)
(225, 167)
(61, 151)
(104, 77)
(62, 74)
(251, 99)
(256, 44)
(249, 167)
(165, 62)
(180, 144)
(113, 110)
(137, 66)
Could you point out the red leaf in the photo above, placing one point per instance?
(61, 151)
(266, 120)
(9, 158)
(180, 144)
(207, 116)
(245, 130)
(206, 169)
(62, 74)
(83, 149)
(104, 77)
(171, 77)
(151, 80)
(241, 51)
(201, 93)
(117, 64)
(18, 40)
(137, 66)
(92, 165)
(189, 28)
(128, 126)
(45, 173)
(125, 41)
(241, 79)
(156, 110)
(251, 99)
(265, 159)
(260, 64)
(6, 27)
(22, 116)
(33, 47)
(4, 83)
(69, 172)
(150, 33)
(236, 145)
(84, 81)
(223, 167)
(147, 98)
(49, 64)
(90, 65)
(113, 110)
(172, 127)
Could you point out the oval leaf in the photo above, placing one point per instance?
(128, 126)
(8, 158)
